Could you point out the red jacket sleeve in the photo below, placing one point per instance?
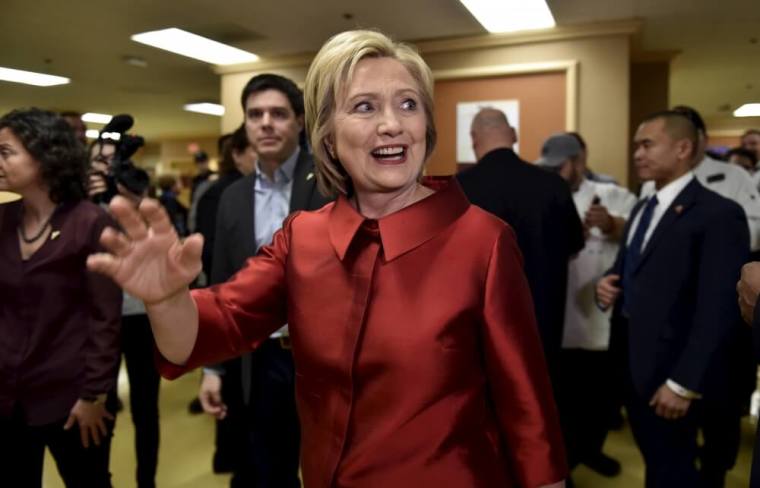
(517, 374)
(236, 316)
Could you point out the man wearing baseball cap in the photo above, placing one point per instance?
(585, 402)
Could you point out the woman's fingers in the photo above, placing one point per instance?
(114, 241)
(190, 252)
(128, 217)
(104, 263)
(155, 215)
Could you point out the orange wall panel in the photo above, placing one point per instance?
(542, 111)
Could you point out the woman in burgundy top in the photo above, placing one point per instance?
(59, 322)
(416, 350)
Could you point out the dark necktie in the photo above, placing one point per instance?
(633, 251)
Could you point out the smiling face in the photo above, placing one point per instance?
(379, 128)
(19, 171)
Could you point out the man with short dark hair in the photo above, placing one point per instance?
(673, 291)
(751, 141)
(250, 211)
(539, 207)
(743, 158)
(720, 421)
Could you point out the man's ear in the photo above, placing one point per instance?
(686, 148)
(300, 122)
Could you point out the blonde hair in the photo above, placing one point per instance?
(328, 77)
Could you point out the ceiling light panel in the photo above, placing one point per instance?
(205, 108)
(748, 110)
(499, 16)
(96, 118)
(194, 46)
(31, 78)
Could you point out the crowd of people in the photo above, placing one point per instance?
(357, 327)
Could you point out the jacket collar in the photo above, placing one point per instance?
(404, 230)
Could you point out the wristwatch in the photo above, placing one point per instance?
(95, 399)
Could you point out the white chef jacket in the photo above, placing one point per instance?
(586, 326)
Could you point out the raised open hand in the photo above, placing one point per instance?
(148, 260)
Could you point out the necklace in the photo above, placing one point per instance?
(34, 238)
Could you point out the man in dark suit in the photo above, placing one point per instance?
(749, 295)
(539, 207)
(672, 286)
(250, 211)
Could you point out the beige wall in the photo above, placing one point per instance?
(602, 98)
(603, 86)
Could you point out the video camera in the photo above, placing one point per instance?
(121, 169)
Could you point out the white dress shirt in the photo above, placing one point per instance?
(732, 182)
(271, 205)
(665, 197)
(587, 326)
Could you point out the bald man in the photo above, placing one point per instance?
(539, 207)
(673, 291)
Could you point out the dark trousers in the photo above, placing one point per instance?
(271, 457)
(22, 450)
(230, 439)
(144, 381)
(720, 415)
(754, 480)
(586, 406)
(669, 447)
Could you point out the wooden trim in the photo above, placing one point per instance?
(560, 33)
(570, 67)
(627, 27)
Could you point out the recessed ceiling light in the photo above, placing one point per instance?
(205, 108)
(96, 118)
(194, 46)
(92, 133)
(748, 110)
(510, 15)
(31, 78)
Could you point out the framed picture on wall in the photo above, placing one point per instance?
(466, 112)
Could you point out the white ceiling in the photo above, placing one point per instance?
(87, 40)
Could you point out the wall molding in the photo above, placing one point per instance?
(569, 67)
(627, 27)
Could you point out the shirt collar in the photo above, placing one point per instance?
(404, 230)
(669, 192)
(283, 172)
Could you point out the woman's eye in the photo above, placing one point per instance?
(409, 104)
(363, 107)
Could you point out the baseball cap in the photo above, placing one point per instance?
(557, 149)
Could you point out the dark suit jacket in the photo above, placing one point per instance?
(539, 207)
(235, 239)
(205, 219)
(683, 311)
(755, 475)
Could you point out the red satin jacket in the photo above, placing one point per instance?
(417, 356)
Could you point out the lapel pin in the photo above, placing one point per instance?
(309, 176)
(678, 209)
(54, 235)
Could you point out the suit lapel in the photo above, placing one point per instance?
(247, 214)
(304, 181)
(679, 207)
